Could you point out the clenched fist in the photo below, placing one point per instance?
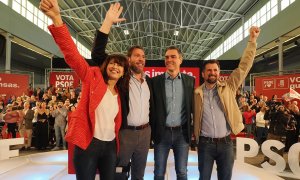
(51, 9)
(254, 33)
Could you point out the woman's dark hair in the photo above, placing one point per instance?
(123, 82)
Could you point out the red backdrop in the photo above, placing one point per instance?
(13, 84)
(64, 79)
(278, 85)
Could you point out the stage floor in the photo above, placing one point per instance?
(53, 165)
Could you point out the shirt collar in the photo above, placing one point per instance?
(133, 75)
(168, 76)
(207, 89)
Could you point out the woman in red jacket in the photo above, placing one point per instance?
(95, 124)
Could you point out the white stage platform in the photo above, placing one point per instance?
(53, 165)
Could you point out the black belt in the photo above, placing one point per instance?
(216, 140)
(138, 127)
(173, 128)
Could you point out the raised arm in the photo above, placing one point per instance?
(101, 37)
(239, 74)
(63, 38)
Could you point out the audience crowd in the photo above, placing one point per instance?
(40, 115)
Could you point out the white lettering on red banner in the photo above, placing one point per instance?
(278, 85)
(191, 71)
(64, 79)
(13, 84)
(224, 77)
(268, 84)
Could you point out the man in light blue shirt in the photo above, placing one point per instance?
(216, 113)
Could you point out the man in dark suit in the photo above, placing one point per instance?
(171, 119)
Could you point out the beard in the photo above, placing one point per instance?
(211, 81)
(135, 69)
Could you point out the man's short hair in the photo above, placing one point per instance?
(175, 48)
(211, 61)
(130, 50)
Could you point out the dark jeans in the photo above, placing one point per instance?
(291, 138)
(173, 139)
(248, 130)
(221, 152)
(261, 133)
(11, 128)
(99, 155)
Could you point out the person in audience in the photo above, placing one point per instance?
(32, 101)
(26, 124)
(261, 124)
(38, 94)
(291, 131)
(248, 116)
(73, 97)
(53, 100)
(71, 109)
(2, 106)
(94, 126)
(45, 98)
(42, 115)
(277, 130)
(11, 118)
(60, 113)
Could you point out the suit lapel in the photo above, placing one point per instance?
(162, 85)
(185, 88)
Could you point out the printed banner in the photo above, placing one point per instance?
(224, 77)
(278, 85)
(64, 79)
(192, 71)
(13, 84)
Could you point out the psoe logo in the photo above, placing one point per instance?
(282, 83)
(268, 84)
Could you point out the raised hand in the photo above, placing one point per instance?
(113, 13)
(254, 33)
(111, 17)
(51, 9)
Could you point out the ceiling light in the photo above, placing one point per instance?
(176, 33)
(126, 32)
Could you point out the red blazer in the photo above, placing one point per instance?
(82, 125)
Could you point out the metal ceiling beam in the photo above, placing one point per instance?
(88, 6)
(210, 8)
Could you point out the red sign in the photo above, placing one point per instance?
(192, 71)
(224, 77)
(13, 84)
(64, 79)
(279, 85)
